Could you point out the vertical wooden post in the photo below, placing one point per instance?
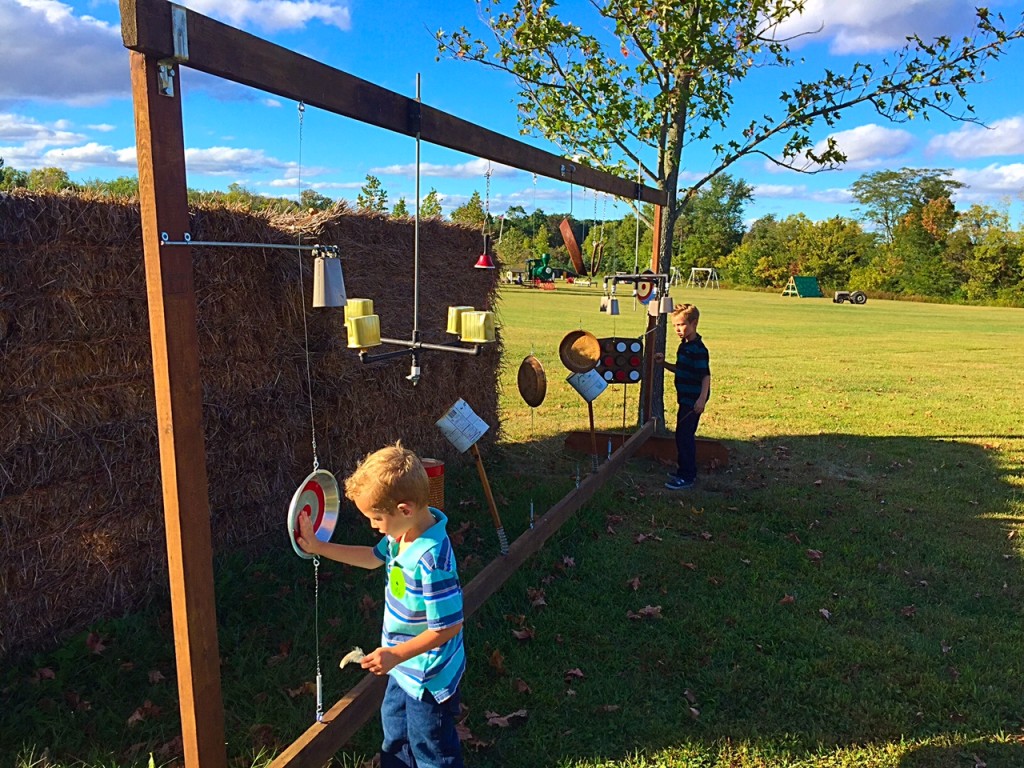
(174, 338)
(652, 390)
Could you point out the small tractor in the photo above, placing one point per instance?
(854, 297)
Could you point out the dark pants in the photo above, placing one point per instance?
(418, 733)
(686, 443)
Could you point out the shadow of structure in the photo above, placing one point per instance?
(974, 754)
(839, 590)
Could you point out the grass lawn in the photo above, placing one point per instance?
(847, 592)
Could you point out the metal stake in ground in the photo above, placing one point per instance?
(502, 538)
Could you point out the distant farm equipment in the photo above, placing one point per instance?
(854, 297)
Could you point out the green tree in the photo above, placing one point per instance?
(11, 178)
(430, 206)
(711, 226)
(372, 197)
(514, 247)
(661, 73)
(471, 213)
(400, 209)
(49, 180)
(885, 197)
(311, 200)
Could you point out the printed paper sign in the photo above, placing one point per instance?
(461, 426)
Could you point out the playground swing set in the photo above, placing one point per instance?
(162, 37)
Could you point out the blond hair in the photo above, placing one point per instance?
(390, 476)
(688, 312)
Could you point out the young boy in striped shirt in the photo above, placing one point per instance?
(421, 642)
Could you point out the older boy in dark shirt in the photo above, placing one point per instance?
(692, 371)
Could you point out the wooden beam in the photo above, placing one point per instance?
(320, 742)
(174, 338)
(650, 389)
(223, 51)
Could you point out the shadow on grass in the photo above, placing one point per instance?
(822, 592)
(973, 754)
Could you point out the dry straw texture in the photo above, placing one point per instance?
(81, 520)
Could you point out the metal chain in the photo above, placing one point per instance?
(316, 625)
(302, 301)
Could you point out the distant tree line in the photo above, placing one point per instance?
(909, 240)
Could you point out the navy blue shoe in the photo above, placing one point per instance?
(678, 484)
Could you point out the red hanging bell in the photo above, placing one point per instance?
(484, 262)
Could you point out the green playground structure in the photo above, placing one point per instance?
(803, 287)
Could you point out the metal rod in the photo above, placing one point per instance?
(416, 231)
(280, 246)
(412, 348)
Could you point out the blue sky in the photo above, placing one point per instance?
(65, 101)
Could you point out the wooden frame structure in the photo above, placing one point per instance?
(161, 38)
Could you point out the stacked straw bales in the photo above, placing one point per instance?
(81, 520)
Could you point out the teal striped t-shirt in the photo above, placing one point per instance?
(422, 592)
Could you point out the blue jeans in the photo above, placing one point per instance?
(686, 443)
(418, 733)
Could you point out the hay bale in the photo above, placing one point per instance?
(80, 499)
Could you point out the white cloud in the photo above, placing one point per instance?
(469, 170)
(990, 183)
(801, 192)
(89, 155)
(867, 146)
(274, 15)
(49, 54)
(102, 127)
(224, 161)
(862, 26)
(1002, 137)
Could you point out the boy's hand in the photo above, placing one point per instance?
(380, 662)
(307, 536)
(698, 407)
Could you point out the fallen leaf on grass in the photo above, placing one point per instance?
(503, 721)
(536, 597)
(689, 566)
(690, 696)
(147, 711)
(793, 537)
(307, 687)
(156, 676)
(815, 555)
(573, 674)
(284, 649)
(569, 562)
(694, 713)
(647, 612)
(367, 605)
(497, 662)
(76, 702)
(522, 686)
(634, 583)
(523, 634)
(908, 611)
(466, 737)
(95, 643)
(787, 600)
(608, 708)
(43, 673)
(826, 614)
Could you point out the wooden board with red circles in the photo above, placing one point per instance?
(621, 361)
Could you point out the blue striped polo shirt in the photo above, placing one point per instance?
(423, 592)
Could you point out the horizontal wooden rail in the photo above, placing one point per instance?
(322, 740)
(223, 51)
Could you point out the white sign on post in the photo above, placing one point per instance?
(461, 426)
(589, 384)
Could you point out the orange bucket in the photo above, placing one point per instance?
(435, 475)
